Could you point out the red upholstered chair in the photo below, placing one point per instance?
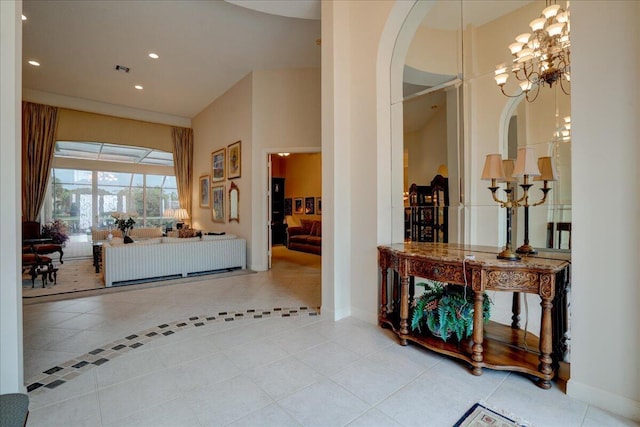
(31, 230)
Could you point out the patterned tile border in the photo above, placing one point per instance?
(64, 372)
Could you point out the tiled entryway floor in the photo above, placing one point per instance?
(286, 367)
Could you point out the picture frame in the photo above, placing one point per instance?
(297, 206)
(218, 196)
(205, 191)
(318, 206)
(288, 206)
(309, 205)
(234, 157)
(218, 165)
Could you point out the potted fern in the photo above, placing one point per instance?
(446, 310)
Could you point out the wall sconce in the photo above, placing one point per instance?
(180, 215)
(526, 166)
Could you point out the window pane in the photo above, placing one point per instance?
(72, 202)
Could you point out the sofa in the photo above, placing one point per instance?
(306, 238)
(171, 257)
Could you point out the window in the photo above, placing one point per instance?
(78, 196)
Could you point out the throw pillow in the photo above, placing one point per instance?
(306, 226)
(316, 230)
(186, 232)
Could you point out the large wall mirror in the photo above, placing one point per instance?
(454, 115)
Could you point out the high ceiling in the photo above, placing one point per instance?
(204, 48)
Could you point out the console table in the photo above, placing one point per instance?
(493, 345)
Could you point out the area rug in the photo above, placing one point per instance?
(481, 416)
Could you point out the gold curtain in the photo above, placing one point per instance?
(182, 164)
(39, 124)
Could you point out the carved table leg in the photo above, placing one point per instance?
(546, 342)
(404, 308)
(395, 297)
(515, 310)
(383, 294)
(478, 332)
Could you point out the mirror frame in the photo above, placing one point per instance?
(234, 201)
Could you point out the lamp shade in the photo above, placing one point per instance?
(168, 213)
(443, 170)
(493, 168)
(507, 165)
(547, 170)
(181, 214)
(526, 162)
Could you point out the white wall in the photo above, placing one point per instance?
(11, 365)
(427, 149)
(606, 213)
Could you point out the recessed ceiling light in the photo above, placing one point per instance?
(24, 18)
(34, 63)
(153, 55)
(138, 87)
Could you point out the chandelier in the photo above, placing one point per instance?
(542, 56)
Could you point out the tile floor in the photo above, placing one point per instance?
(275, 370)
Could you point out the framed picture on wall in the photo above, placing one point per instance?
(309, 205)
(288, 206)
(318, 206)
(297, 206)
(217, 165)
(205, 186)
(235, 160)
(217, 203)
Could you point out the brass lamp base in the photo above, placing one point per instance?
(526, 249)
(509, 255)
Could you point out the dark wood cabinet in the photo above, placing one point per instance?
(428, 212)
(278, 225)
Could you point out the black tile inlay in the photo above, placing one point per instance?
(232, 315)
(34, 386)
(55, 384)
(222, 313)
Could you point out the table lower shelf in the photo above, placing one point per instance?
(503, 349)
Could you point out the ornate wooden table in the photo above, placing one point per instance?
(493, 345)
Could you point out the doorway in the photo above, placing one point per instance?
(295, 203)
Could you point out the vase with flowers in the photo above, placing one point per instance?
(125, 222)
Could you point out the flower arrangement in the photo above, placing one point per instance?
(56, 230)
(446, 310)
(124, 221)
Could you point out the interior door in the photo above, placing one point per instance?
(269, 219)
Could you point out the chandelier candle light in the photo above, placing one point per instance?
(541, 56)
(526, 166)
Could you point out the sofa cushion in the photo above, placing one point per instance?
(306, 225)
(153, 241)
(298, 238)
(314, 240)
(218, 237)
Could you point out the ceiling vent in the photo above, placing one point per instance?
(122, 68)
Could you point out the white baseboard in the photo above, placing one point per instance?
(603, 399)
(365, 316)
